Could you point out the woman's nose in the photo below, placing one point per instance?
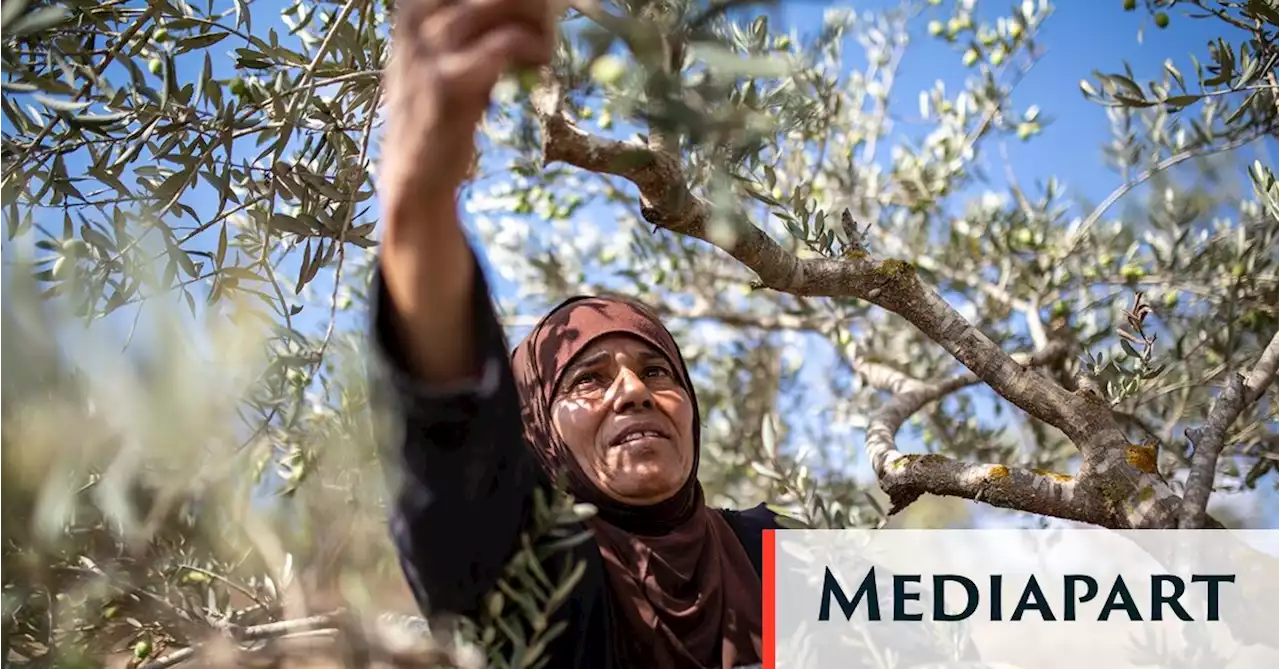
(630, 392)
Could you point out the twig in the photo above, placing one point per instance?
(1240, 393)
(124, 38)
(1123, 189)
(718, 9)
(256, 632)
(228, 582)
(978, 131)
(618, 25)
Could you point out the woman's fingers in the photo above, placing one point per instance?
(474, 70)
(449, 55)
(466, 45)
(459, 23)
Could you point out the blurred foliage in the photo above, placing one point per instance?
(188, 205)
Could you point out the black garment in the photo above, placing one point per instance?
(463, 482)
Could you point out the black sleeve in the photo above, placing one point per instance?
(749, 525)
(461, 477)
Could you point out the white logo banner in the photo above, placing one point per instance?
(1033, 599)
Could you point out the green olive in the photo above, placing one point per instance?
(607, 70)
(1132, 272)
(74, 248)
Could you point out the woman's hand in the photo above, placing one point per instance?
(447, 55)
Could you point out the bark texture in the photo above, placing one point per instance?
(1241, 392)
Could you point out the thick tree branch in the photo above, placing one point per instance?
(1134, 490)
(905, 477)
(703, 312)
(1241, 392)
(667, 202)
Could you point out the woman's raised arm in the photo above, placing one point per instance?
(461, 476)
(446, 58)
(445, 401)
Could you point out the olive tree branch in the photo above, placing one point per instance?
(667, 202)
(644, 36)
(1241, 392)
(594, 10)
(1134, 488)
(905, 477)
(336, 635)
(1078, 232)
(930, 264)
(701, 312)
(256, 632)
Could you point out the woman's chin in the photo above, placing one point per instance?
(643, 486)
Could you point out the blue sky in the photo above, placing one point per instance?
(1081, 36)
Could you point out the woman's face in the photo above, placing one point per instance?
(627, 420)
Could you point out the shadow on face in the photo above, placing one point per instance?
(620, 408)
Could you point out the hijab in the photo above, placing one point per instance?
(684, 591)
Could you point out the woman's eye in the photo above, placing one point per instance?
(658, 371)
(584, 379)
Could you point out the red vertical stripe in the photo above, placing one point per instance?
(768, 642)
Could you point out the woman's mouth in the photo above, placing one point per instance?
(638, 436)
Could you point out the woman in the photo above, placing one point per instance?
(598, 393)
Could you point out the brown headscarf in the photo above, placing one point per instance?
(685, 592)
